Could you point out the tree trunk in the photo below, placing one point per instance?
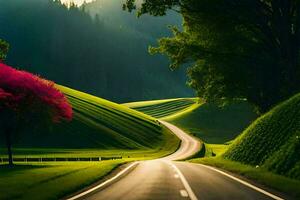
(9, 147)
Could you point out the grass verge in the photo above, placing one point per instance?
(260, 175)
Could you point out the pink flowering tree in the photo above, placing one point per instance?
(28, 100)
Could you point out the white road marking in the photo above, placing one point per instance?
(104, 183)
(176, 175)
(186, 185)
(184, 193)
(244, 183)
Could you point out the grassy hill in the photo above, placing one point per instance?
(210, 122)
(100, 128)
(272, 141)
(100, 124)
(163, 108)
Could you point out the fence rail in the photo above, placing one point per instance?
(59, 159)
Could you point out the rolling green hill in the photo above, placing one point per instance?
(100, 124)
(163, 108)
(272, 141)
(100, 128)
(210, 122)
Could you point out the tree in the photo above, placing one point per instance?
(4, 46)
(236, 49)
(28, 100)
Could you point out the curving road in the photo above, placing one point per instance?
(166, 179)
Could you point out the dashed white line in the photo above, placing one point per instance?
(244, 183)
(184, 193)
(186, 185)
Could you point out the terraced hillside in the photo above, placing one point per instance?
(210, 122)
(163, 108)
(99, 124)
(272, 141)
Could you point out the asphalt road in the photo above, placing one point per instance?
(166, 179)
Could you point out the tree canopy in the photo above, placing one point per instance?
(3, 49)
(236, 49)
(97, 48)
(28, 100)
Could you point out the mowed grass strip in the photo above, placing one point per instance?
(163, 108)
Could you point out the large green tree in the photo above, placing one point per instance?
(236, 48)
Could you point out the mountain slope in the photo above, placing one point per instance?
(100, 124)
(272, 141)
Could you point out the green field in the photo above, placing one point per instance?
(45, 181)
(164, 109)
(212, 123)
(99, 129)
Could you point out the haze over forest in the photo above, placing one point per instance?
(96, 48)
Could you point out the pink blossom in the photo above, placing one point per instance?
(20, 90)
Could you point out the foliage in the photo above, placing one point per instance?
(31, 97)
(4, 46)
(246, 49)
(27, 100)
(272, 141)
(107, 58)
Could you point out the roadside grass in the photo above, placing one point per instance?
(50, 180)
(54, 180)
(280, 183)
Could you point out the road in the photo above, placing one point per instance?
(166, 179)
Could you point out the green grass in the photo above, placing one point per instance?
(99, 124)
(272, 141)
(45, 180)
(215, 149)
(99, 128)
(260, 175)
(50, 180)
(210, 122)
(163, 108)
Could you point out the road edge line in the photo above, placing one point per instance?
(186, 185)
(105, 183)
(243, 182)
